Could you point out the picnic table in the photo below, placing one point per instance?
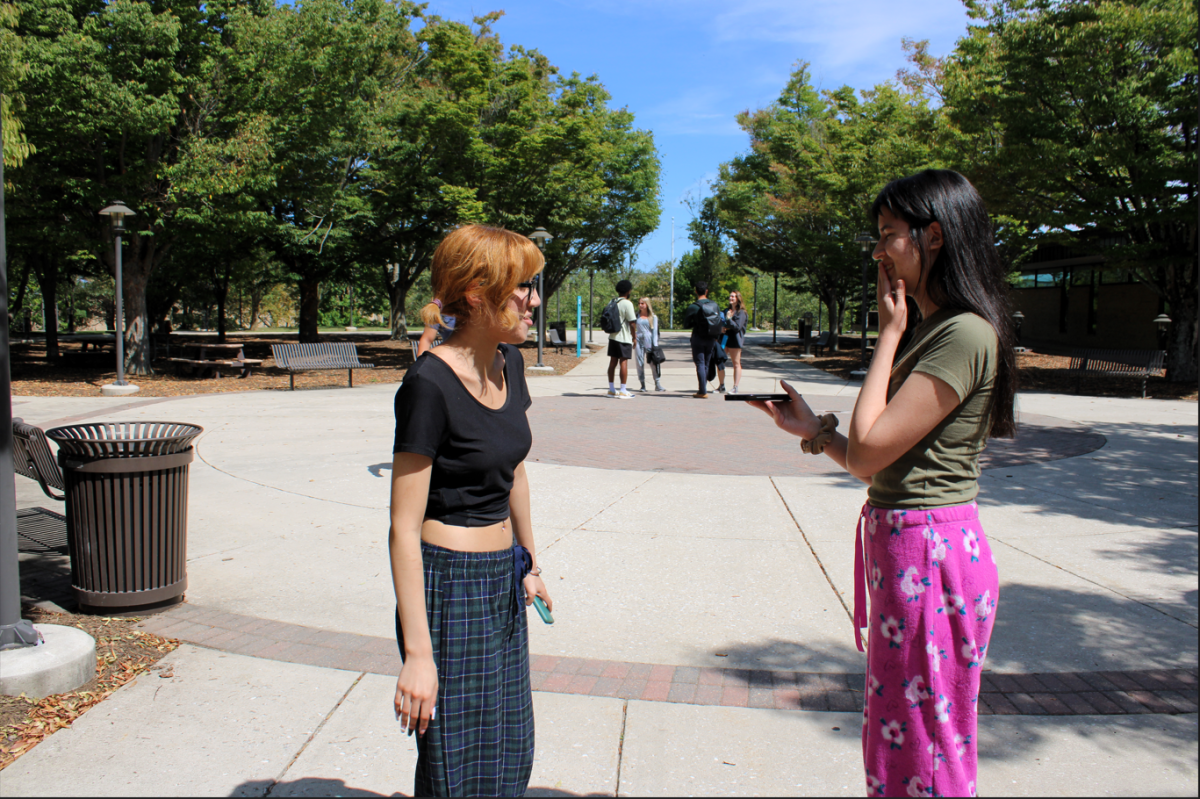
(96, 340)
(206, 358)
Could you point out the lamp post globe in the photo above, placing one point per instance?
(540, 237)
(116, 213)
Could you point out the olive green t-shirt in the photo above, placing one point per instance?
(958, 347)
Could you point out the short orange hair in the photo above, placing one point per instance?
(484, 262)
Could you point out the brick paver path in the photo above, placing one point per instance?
(1167, 691)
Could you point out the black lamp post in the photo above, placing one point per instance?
(591, 297)
(808, 317)
(754, 311)
(116, 214)
(1017, 318)
(540, 236)
(1163, 323)
(866, 243)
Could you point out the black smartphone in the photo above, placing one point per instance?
(763, 397)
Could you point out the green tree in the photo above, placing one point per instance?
(796, 201)
(1083, 119)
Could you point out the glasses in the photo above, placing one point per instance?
(525, 289)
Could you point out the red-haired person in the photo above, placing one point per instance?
(464, 565)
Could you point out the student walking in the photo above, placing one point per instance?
(704, 318)
(463, 560)
(646, 340)
(926, 583)
(736, 320)
(620, 341)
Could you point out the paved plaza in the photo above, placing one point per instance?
(701, 569)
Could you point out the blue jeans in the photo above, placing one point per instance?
(703, 351)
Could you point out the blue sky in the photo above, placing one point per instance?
(686, 68)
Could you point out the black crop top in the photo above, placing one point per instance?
(474, 449)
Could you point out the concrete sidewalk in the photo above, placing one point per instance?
(702, 643)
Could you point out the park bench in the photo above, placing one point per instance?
(556, 340)
(32, 458)
(1116, 363)
(304, 357)
(822, 342)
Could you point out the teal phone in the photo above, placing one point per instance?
(542, 610)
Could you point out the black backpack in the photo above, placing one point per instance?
(710, 320)
(610, 317)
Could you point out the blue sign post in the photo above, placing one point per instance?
(578, 327)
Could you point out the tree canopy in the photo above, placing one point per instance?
(318, 141)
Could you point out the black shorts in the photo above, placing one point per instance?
(619, 349)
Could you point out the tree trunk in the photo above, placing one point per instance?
(310, 310)
(221, 292)
(397, 320)
(137, 324)
(47, 278)
(256, 296)
(1181, 346)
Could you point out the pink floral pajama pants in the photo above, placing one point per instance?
(933, 589)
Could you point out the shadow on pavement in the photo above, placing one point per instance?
(777, 654)
(323, 786)
(1044, 629)
(305, 786)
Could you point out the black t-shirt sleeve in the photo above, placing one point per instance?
(420, 416)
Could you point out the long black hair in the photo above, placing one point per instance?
(967, 274)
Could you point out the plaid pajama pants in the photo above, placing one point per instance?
(481, 742)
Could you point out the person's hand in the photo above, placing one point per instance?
(893, 312)
(794, 417)
(729, 314)
(416, 693)
(535, 587)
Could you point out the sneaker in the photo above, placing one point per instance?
(734, 391)
(642, 388)
(721, 389)
(625, 395)
(612, 392)
(659, 387)
(698, 395)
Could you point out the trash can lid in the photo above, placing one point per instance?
(124, 439)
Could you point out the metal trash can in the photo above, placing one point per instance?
(126, 498)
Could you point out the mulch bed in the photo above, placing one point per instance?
(1039, 372)
(122, 653)
(76, 373)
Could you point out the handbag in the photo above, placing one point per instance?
(656, 354)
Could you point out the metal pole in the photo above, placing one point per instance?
(119, 322)
(578, 326)
(671, 313)
(754, 313)
(15, 632)
(865, 312)
(591, 300)
(775, 313)
(541, 318)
